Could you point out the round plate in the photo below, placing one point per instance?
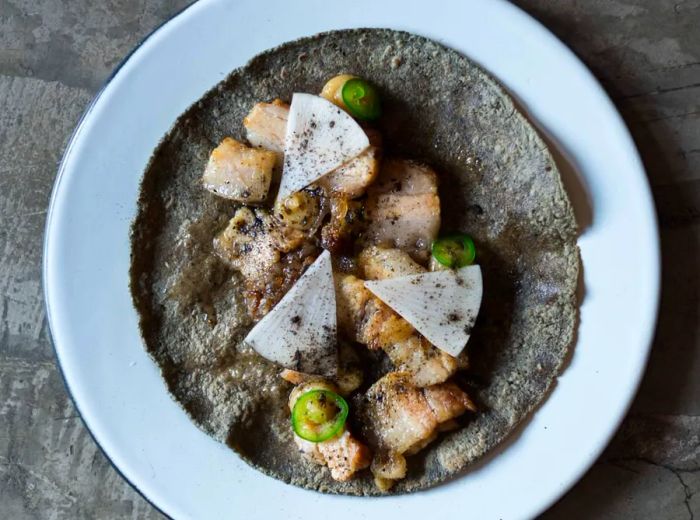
(117, 388)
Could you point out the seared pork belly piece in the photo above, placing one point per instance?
(364, 318)
(247, 244)
(347, 220)
(403, 208)
(343, 454)
(238, 172)
(349, 376)
(426, 363)
(406, 178)
(303, 210)
(379, 263)
(269, 257)
(400, 419)
(266, 125)
(353, 178)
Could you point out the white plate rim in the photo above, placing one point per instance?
(653, 259)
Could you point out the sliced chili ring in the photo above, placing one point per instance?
(456, 250)
(361, 99)
(319, 415)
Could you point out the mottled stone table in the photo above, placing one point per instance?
(54, 56)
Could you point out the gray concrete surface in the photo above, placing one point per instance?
(53, 57)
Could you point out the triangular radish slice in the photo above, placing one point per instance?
(299, 333)
(441, 305)
(320, 137)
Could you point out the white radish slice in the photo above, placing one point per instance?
(320, 137)
(441, 305)
(300, 332)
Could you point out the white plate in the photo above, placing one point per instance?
(117, 388)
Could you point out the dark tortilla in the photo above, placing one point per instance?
(498, 182)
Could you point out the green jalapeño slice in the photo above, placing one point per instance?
(361, 99)
(454, 250)
(319, 415)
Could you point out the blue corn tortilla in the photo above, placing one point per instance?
(498, 181)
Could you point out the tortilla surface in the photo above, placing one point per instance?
(498, 182)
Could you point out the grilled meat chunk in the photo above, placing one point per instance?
(266, 125)
(269, 257)
(400, 419)
(302, 210)
(238, 172)
(349, 376)
(347, 220)
(364, 318)
(378, 263)
(403, 208)
(352, 178)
